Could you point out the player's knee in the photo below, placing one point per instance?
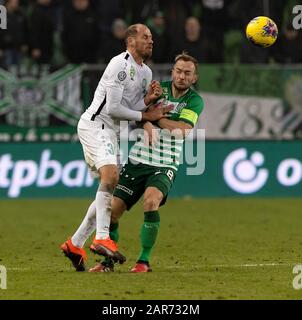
(151, 203)
(106, 186)
(109, 177)
(152, 199)
(109, 183)
(114, 180)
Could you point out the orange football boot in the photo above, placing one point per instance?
(108, 248)
(75, 254)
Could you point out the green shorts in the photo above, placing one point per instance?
(136, 178)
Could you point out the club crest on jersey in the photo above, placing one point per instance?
(180, 106)
(132, 73)
(122, 75)
(165, 92)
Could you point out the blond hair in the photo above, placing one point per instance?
(184, 56)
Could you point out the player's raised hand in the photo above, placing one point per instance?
(156, 89)
(154, 92)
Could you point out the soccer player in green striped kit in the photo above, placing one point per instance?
(151, 168)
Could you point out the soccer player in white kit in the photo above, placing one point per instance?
(123, 93)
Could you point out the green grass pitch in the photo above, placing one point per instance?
(206, 249)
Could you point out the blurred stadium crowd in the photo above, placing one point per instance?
(57, 32)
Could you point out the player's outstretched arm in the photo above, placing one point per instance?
(116, 109)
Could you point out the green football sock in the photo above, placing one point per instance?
(114, 235)
(149, 232)
(113, 232)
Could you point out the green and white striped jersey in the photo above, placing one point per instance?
(167, 150)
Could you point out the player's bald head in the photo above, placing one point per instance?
(139, 41)
(134, 30)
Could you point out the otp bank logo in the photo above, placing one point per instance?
(245, 175)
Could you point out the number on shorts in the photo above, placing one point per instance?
(170, 174)
(110, 148)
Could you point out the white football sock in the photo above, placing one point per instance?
(86, 228)
(103, 214)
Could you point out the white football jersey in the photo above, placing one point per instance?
(120, 92)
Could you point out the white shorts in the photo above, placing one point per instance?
(100, 145)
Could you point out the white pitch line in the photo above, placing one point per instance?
(18, 269)
(272, 264)
(43, 268)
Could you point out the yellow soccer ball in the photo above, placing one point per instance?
(262, 31)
